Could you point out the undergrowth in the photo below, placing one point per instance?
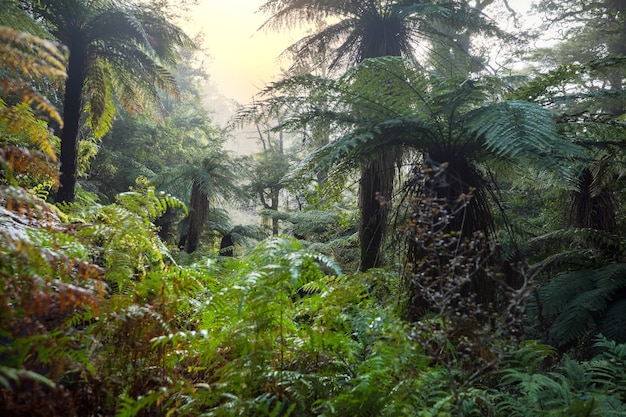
(98, 320)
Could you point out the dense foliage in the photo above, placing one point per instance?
(498, 287)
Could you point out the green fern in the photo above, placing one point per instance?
(523, 131)
(583, 301)
(124, 237)
(11, 375)
(591, 388)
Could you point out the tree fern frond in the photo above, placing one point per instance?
(579, 301)
(519, 129)
(575, 322)
(613, 322)
(99, 105)
(560, 290)
(349, 150)
(542, 87)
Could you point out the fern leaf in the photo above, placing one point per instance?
(563, 288)
(7, 373)
(613, 322)
(518, 128)
(19, 122)
(22, 53)
(578, 317)
(580, 300)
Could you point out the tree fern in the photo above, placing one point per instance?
(386, 102)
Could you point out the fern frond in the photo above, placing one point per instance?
(579, 300)
(520, 129)
(19, 123)
(99, 106)
(124, 235)
(8, 374)
(530, 355)
(560, 290)
(27, 56)
(22, 162)
(613, 322)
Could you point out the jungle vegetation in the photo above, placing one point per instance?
(422, 232)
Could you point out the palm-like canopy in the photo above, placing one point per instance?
(207, 183)
(362, 29)
(114, 48)
(354, 30)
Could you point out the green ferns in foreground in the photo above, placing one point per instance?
(97, 319)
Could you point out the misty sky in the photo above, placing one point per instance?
(244, 59)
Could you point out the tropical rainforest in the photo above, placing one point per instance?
(432, 223)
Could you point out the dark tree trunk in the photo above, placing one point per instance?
(227, 246)
(592, 207)
(164, 224)
(450, 210)
(274, 196)
(198, 215)
(378, 173)
(374, 197)
(72, 107)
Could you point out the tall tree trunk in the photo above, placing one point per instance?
(377, 174)
(198, 216)
(274, 196)
(72, 107)
(165, 222)
(375, 194)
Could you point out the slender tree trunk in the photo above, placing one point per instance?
(377, 174)
(274, 207)
(198, 216)
(72, 107)
(375, 193)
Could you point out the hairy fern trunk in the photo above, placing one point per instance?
(376, 189)
(72, 107)
(198, 216)
(448, 239)
(592, 206)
